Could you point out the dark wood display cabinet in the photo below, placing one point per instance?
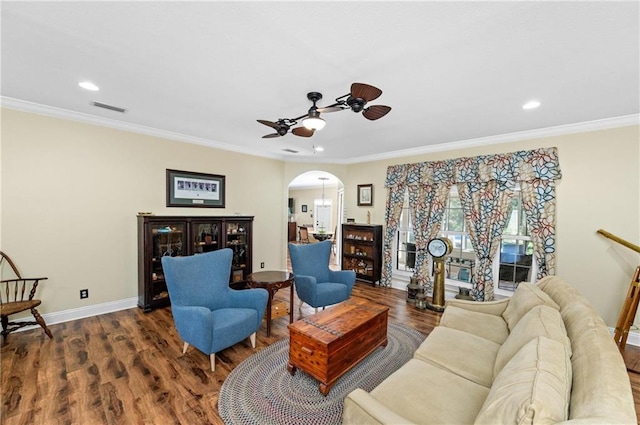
(160, 236)
(362, 251)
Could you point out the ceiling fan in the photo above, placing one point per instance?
(356, 100)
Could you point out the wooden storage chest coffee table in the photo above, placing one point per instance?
(327, 344)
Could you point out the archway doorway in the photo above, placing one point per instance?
(316, 203)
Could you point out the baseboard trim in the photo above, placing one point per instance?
(84, 312)
(633, 338)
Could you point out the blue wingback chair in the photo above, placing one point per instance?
(209, 314)
(315, 283)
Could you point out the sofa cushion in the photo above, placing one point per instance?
(541, 320)
(601, 391)
(484, 325)
(526, 297)
(467, 355)
(533, 387)
(427, 394)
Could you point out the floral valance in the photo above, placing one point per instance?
(537, 164)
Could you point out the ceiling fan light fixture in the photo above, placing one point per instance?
(313, 121)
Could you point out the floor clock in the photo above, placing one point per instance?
(438, 248)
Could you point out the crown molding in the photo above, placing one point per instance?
(36, 108)
(580, 127)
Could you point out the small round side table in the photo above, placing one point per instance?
(272, 281)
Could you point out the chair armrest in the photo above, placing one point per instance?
(18, 287)
(194, 324)
(495, 308)
(361, 408)
(23, 278)
(306, 288)
(255, 298)
(348, 277)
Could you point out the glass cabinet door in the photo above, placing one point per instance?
(236, 239)
(166, 240)
(206, 236)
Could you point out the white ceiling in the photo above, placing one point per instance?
(203, 72)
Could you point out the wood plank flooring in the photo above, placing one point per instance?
(128, 368)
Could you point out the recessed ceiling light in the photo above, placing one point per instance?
(532, 104)
(88, 85)
(319, 149)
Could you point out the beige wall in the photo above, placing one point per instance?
(70, 193)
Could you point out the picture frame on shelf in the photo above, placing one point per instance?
(191, 189)
(365, 195)
(304, 208)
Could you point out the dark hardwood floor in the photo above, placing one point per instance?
(128, 368)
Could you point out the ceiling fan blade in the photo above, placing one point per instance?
(365, 91)
(269, 124)
(302, 132)
(376, 111)
(271, 136)
(329, 109)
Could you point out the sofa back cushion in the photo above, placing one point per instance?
(601, 392)
(533, 387)
(541, 320)
(526, 297)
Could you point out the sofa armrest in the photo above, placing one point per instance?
(361, 408)
(495, 308)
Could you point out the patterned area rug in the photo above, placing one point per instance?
(261, 391)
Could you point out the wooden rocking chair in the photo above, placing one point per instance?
(16, 295)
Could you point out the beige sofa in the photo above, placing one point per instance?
(542, 356)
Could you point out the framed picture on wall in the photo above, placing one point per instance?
(365, 195)
(188, 189)
(304, 208)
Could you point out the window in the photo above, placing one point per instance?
(461, 261)
(514, 262)
(405, 243)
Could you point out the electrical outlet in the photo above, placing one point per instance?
(262, 265)
(84, 293)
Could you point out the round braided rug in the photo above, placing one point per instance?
(261, 391)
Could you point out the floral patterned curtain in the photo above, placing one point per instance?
(536, 171)
(396, 184)
(487, 207)
(428, 198)
(539, 202)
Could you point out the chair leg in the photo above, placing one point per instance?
(316, 309)
(41, 322)
(252, 338)
(300, 305)
(212, 357)
(5, 323)
(184, 347)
